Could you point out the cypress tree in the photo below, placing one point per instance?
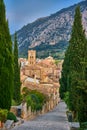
(64, 76)
(75, 69)
(16, 72)
(6, 61)
(77, 57)
(82, 87)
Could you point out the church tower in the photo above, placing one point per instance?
(31, 57)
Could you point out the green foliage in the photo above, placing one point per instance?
(74, 71)
(2, 12)
(14, 103)
(17, 83)
(41, 97)
(34, 98)
(57, 50)
(84, 125)
(3, 115)
(82, 102)
(6, 61)
(11, 116)
(29, 101)
(65, 78)
(32, 101)
(66, 98)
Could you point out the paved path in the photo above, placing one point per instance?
(53, 120)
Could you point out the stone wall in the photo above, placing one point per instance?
(26, 113)
(14, 110)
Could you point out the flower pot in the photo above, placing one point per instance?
(1, 124)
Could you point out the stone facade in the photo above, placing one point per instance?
(31, 57)
(26, 113)
(40, 69)
(42, 75)
(32, 71)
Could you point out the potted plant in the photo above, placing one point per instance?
(3, 116)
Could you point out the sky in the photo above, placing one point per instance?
(22, 12)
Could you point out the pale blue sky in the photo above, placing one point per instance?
(22, 12)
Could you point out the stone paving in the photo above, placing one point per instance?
(53, 120)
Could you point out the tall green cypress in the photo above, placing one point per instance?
(64, 78)
(77, 55)
(75, 69)
(16, 72)
(82, 87)
(6, 61)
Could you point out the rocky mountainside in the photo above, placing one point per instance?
(50, 35)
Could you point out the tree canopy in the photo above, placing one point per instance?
(74, 80)
(17, 83)
(6, 61)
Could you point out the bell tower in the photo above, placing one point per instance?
(31, 57)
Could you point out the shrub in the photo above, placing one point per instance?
(29, 101)
(38, 107)
(14, 103)
(11, 116)
(84, 125)
(34, 98)
(3, 115)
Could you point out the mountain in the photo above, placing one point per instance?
(50, 35)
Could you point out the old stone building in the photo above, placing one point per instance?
(31, 57)
(42, 75)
